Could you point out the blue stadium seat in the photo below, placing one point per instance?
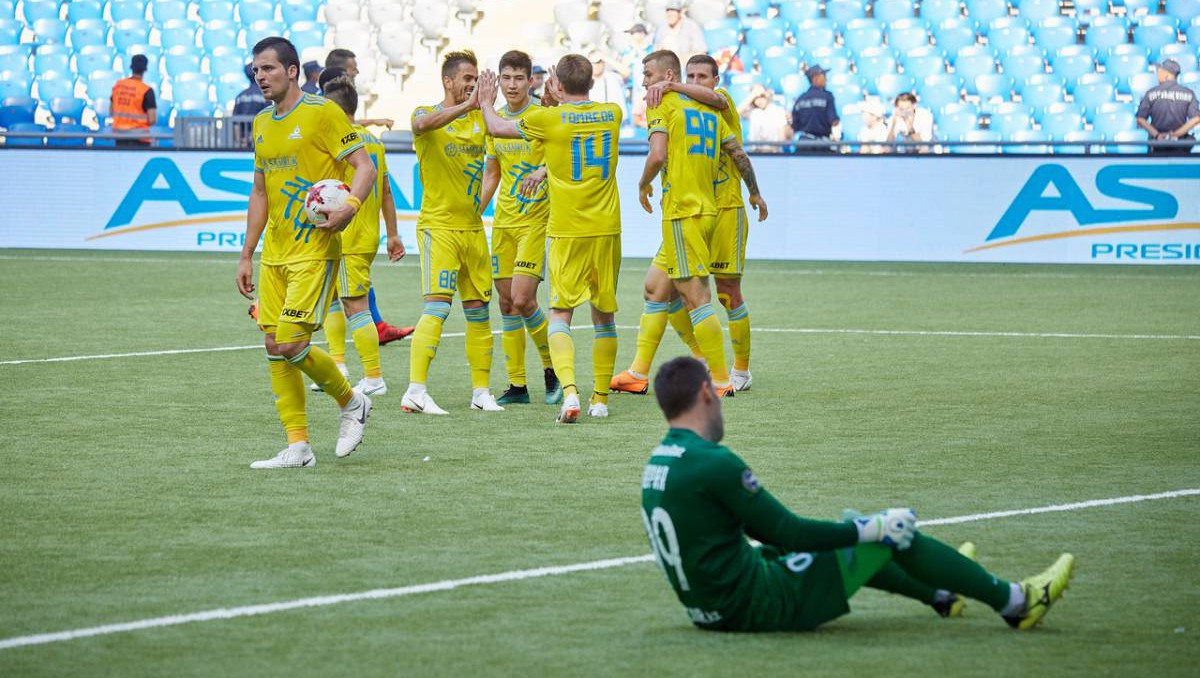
(812, 34)
(228, 86)
(36, 10)
(1131, 142)
(1184, 10)
(761, 38)
(1086, 10)
(216, 10)
(1036, 10)
(131, 32)
(1090, 138)
(88, 33)
(851, 121)
(1091, 93)
(100, 84)
(1112, 118)
(165, 108)
(44, 62)
(1159, 20)
(153, 59)
(14, 84)
(1008, 118)
(833, 59)
(84, 9)
(1041, 91)
(1055, 32)
(220, 64)
(792, 13)
(959, 107)
(776, 67)
(265, 29)
(17, 110)
(300, 10)
(888, 85)
(1072, 61)
(907, 34)
(842, 11)
(954, 34)
(978, 136)
(937, 91)
(791, 86)
(860, 34)
(249, 11)
(94, 58)
(1106, 32)
(893, 10)
(54, 85)
(935, 11)
(183, 89)
(874, 62)
(1183, 54)
(168, 10)
(74, 128)
(127, 9)
(990, 85)
(849, 90)
(1124, 66)
(182, 60)
(197, 108)
(716, 38)
(1134, 7)
(1058, 119)
(50, 30)
(1118, 50)
(923, 62)
(1137, 84)
(973, 61)
(104, 143)
(1027, 135)
(10, 31)
(1155, 36)
(180, 34)
(25, 141)
(218, 34)
(984, 11)
(14, 58)
(1005, 34)
(1023, 62)
(1190, 80)
(308, 34)
(67, 108)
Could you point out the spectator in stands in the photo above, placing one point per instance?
(247, 105)
(815, 112)
(537, 78)
(766, 120)
(312, 71)
(133, 104)
(1169, 110)
(682, 35)
(874, 130)
(910, 123)
(728, 61)
(629, 66)
(607, 86)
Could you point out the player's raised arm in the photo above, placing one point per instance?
(256, 221)
(655, 159)
(426, 119)
(738, 156)
(705, 95)
(496, 125)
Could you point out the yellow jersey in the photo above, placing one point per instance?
(518, 158)
(451, 160)
(362, 235)
(694, 136)
(729, 179)
(579, 141)
(294, 151)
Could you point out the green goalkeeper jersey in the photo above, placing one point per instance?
(699, 503)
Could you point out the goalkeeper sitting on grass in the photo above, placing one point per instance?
(700, 502)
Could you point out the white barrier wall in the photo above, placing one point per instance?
(1110, 209)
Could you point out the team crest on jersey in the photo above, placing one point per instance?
(750, 482)
(258, 139)
(295, 133)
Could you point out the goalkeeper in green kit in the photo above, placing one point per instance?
(700, 502)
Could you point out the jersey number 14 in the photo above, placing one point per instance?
(584, 154)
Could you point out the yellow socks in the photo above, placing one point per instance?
(684, 326)
(335, 331)
(479, 345)
(288, 387)
(604, 356)
(651, 327)
(366, 342)
(710, 337)
(562, 352)
(425, 340)
(536, 325)
(513, 342)
(321, 368)
(739, 336)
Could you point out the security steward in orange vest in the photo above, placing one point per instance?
(133, 104)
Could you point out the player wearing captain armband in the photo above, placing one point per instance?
(299, 140)
(701, 504)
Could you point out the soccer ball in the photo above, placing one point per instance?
(326, 194)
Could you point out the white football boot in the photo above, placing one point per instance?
(482, 399)
(569, 414)
(419, 401)
(741, 379)
(598, 409)
(296, 455)
(371, 387)
(353, 421)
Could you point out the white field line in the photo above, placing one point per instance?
(885, 273)
(772, 330)
(513, 575)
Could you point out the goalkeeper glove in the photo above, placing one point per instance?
(892, 527)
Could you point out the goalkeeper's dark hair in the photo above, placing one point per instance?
(452, 60)
(336, 86)
(284, 50)
(678, 383)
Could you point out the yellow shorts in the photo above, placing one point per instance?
(727, 250)
(355, 277)
(455, 262)
(295, 295)
(686, 246)
(519, 250)
(585, 269)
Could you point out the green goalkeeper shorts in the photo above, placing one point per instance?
(858, 564)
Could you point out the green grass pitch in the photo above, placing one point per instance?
(126, 494)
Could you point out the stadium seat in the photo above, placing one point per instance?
(923, 62)
(1190, 80)
(1155, 36)
(218, 34)
(1059, 119)
(812, 34)
(131, 32)
(1159, 20)
(842, 12)
(761, 38)
(1005, 34)
(168, 10)
(17, 110)
(307, 34)
(873, 62)
(50, 31)
(261, 29)
(228, 86)
(216, 10)
(1041, 91)
(294, 11)
(127, 9)
(182, 60)
(991, 85)
(845, 86)
(1102, 35)
(776, 67)
(193, 108)
(10, 31)
(833, 59)
(797, 11)
(74, 128)
(67, 108)
(1184, 10)
(1021, 63)
(431, 16)
(100, 84)
(1055, 32)
(1091, 138)
(1086, 10)
(84, 9)
(14, 84)
(92, 58)
(1130, 142)
(1135, 7)
(249, 11)
(1125, 66)
(861, 34)
(88, 33)
(744, 8)
(953, 123)
(1091, 93)
(1036, 10)
(153, 59)
(44, 62)
(1027, 135)
(1137, 84)
(1009, 118)
(54, 85)
(973, 61)
(1072, 61)
(1126, 48)
(223, 63)
(907, 34)
(954, 34)
(888, 85)
(937, 91)
(1113, 118)
(984, 11)
(25, 141)
(721, 37)
(893, 10)
(977, 137)
(14, 58)
(935, 11)
(791, 86)
(36, 10)
(1183, 54)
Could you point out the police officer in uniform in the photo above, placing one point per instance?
(133, 104)
(814, 113)
(1169, 110)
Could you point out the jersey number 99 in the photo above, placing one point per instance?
(584, 155)
(665, 544)
(702, 126)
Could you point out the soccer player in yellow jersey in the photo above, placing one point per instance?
(519, 234)
(727, 246)
(450, 145)
(579, 139)
(686, 138)
(299, 140)
(360, 242)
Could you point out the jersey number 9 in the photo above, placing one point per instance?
(702, 126)
(584, 155)
(665, 544)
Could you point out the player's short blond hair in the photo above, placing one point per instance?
(574, 72)
(665, 59)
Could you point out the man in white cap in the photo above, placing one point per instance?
(681, 35)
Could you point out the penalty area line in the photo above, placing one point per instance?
(513, 575)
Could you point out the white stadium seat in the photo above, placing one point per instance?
(585, 34)
(618, 15)
(431, 16)
(567, 13)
